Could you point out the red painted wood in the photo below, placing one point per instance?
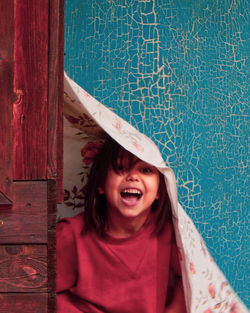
(23, 303)
(52, 245)
(5, 201)
(23, 268)
(27, 230)
(6, 100)
(26, 222)
(31, 87)
(55, 95)
(53, 91)
(60, 109)
(52, 271)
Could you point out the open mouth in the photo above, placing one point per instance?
(131, 193)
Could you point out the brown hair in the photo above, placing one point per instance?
(95, 215)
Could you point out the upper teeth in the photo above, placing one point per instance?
(130, 190)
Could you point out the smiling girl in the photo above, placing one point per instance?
(120, 256)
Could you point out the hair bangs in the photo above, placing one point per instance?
(123, 160)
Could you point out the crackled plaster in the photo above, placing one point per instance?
(177, 70)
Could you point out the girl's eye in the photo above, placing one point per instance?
(120, 168)
(146, 170)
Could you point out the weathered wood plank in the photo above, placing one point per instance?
(51, 203)
(23, 303)
(60, 108)
(6, 100)
(55, 137)
(55, 95)
(23, 268)
(4, 200)
(52, 197)
(53, 91)
(31, 86)
(52, 271)
(26, 222)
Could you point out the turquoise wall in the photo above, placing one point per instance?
(177, 70)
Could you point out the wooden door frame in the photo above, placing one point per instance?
(31, 157)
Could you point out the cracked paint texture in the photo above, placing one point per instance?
(178, 71)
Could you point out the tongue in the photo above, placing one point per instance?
(130, 200)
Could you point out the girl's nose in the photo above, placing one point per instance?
(132, 175)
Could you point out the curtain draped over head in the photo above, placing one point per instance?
(86, 123)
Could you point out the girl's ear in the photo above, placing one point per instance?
(100, 190)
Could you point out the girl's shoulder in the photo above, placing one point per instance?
(73, 224)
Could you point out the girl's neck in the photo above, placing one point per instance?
(122, 227)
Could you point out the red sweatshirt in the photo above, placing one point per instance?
(113, 275)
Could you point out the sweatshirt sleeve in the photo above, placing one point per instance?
(66, 256)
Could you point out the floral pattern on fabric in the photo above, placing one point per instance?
(206, 288)
(74, 195)
(89, 151)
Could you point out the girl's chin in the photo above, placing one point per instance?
(132, 212)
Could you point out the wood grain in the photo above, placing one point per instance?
(23, 268)
(60, 101)
(31, 64)
(6, 100)
(31, 86)
(55, 92)
(51, 195)
(26, 222)
(23, 303)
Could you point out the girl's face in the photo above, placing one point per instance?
(130, 191)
